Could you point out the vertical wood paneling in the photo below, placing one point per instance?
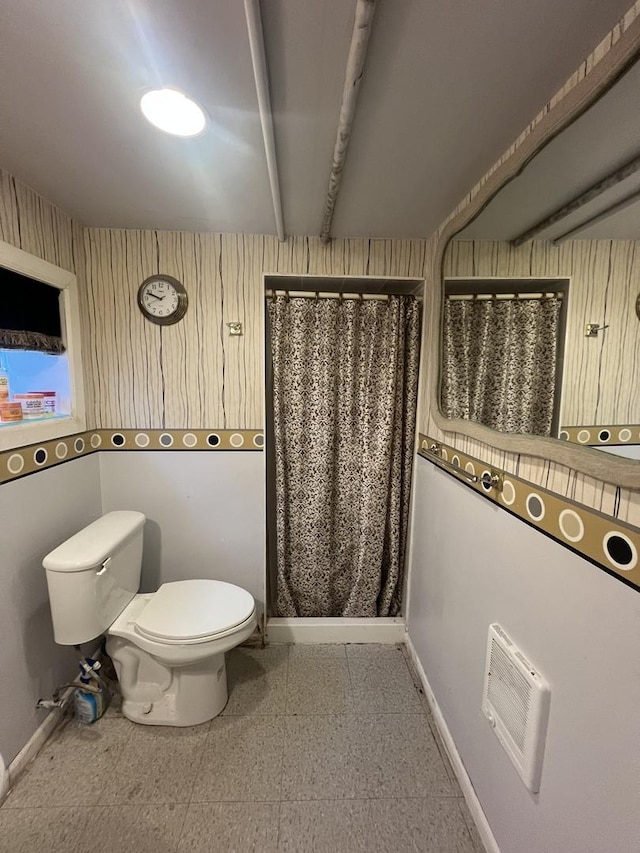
(35, 225)
(195, 374)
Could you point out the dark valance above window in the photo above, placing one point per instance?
(29, 314)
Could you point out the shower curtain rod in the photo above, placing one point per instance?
(469, 297)
(312, 294)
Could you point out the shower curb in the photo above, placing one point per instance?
(328, 629)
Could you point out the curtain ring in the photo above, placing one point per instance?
(317, 297)
(286, 296)
(274, 296)
(361, 297)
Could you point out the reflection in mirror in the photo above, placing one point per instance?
(502, 353)
(540, 330)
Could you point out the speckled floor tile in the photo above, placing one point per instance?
(115, 705)
(139, 828)
(374, 651)
(231, 828)
(241, 760)
(318, 685)
(416, 680)
(158, 766)
(445, 757)
(478, 846)
(373, 755)
(257, 680)
(317, 650)
(36, 830)
(374, 826)
(72, 767)
(383, 686)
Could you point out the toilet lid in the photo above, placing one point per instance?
(190, 610)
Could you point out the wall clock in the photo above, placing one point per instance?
(162, 299)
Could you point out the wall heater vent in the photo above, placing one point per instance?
(516, 703)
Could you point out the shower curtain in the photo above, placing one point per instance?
(499, 362)
(345, 375)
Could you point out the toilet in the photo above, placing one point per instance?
(168, 647)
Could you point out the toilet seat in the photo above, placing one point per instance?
(194, 611)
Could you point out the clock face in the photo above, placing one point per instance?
(162, 299)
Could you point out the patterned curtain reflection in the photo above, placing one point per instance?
(499, 362)
(345, 379)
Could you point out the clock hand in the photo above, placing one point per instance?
(155, 296)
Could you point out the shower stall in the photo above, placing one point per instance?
(342, 359)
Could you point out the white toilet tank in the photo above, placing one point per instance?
(94, 575)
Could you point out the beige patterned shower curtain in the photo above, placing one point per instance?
(499, 362)
(345, 375)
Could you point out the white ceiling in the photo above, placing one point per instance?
(599, 143)
(447, 87)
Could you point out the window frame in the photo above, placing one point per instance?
(23, 432)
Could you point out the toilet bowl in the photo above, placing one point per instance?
(168, 647)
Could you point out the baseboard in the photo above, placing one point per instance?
(335, 630)
(479, 817)
(35, 743)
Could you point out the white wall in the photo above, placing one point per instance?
(474, 564)
(205, 513)
(629, 451)
(37, 512)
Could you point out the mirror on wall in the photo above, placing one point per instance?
(541, 314)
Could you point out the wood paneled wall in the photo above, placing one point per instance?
(194, 374)
(607, 498)
(600, 374)
(35, 225)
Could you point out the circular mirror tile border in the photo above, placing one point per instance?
(33, 458)
(591, 435)
(605, 541)
(20, 461)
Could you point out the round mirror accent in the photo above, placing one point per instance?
(620, 550)
(535, 507)
(571, 525)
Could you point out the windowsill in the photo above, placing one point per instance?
(20, 433)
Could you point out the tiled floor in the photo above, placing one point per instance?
(320, 748)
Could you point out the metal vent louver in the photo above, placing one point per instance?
(516, 703)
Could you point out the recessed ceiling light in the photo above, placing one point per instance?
(173, 112)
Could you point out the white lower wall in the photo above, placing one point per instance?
(37, 512)
(205, 513)
(474, 564)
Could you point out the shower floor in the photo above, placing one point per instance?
(320, 748)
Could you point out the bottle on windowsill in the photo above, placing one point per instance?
(4, 381)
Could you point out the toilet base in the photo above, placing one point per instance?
(154, 694)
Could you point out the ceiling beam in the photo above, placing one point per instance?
(258, 58)
(627, 201)
(353, 78)
(611, 180)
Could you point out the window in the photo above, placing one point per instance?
(41, 390)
